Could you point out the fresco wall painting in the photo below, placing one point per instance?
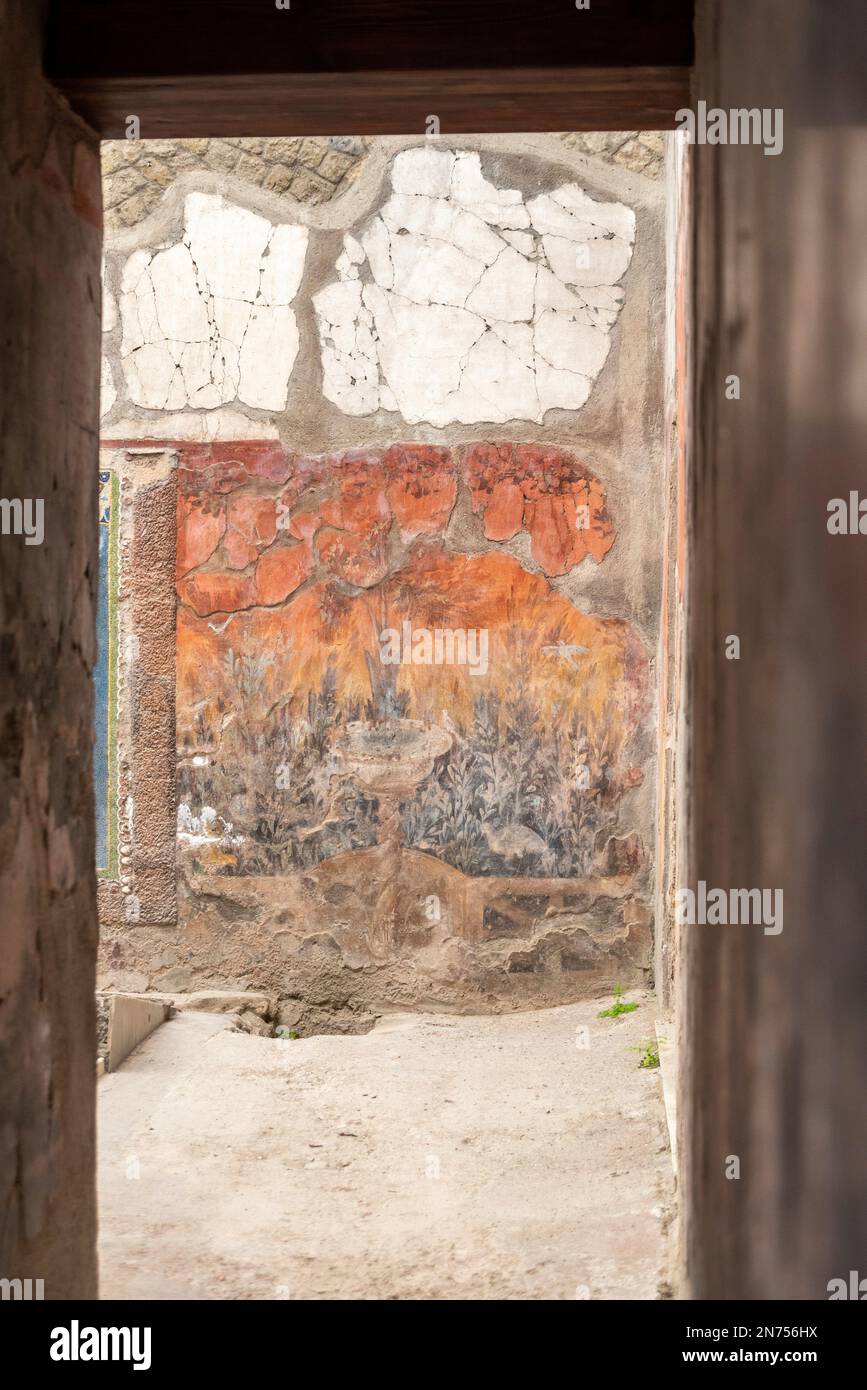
(393, 737)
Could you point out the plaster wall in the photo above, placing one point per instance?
(435, 398)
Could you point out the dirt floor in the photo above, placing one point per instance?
(436, 1157)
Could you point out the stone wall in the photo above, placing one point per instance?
(312, 169)
(50, 218)
(642, 151)
(429, 405)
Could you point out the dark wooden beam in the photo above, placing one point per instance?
(243, 67)
(384, 103)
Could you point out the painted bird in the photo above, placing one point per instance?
(567, 650)
(513, 841)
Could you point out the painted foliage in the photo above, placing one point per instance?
(329, 603)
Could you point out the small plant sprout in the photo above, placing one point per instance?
(620, 1005)
(648, 1051)
(287, 1033)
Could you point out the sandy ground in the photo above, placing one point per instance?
(437, 1157)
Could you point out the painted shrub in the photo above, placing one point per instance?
(390, 729)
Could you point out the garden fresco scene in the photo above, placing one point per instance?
(426, 794)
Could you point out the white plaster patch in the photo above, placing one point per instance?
(204, 427)
(107, 392)
(109, 311)
(463, 302)
(207, 321)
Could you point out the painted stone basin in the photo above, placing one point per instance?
(392, 757)
(389, 759)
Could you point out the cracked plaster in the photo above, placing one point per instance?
(247, 582)
(207, 320)
(462, 302)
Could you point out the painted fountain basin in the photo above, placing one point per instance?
(392, 757)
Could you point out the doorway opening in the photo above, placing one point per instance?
(387, 474)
